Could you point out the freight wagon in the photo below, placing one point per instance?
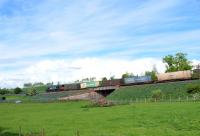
(114, 82)
(137, 80)
(90, 84)
(179, 75)
(67, 87)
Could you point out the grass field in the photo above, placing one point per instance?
(64, 119)
(171, 89)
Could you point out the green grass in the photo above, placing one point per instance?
(173, 89)
(64, 119)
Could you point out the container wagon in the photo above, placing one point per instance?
(91, 84)
(137, 80)
(114, 82)
(170, 76)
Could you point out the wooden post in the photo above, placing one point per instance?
(42, 131)
(77, 133)
(20, 131)
(179, 99)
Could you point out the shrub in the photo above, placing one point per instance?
(3, 98)
(4, 91)
(193, 88)
(31, 91)
(157, 94)
(17, 90)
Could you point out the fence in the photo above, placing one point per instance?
(153, 100)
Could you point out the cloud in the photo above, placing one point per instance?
(41, 40)
(71, 70)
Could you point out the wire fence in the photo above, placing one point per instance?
(154, 100)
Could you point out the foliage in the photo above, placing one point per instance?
(157, 94)
(193, 88)
(31, 91)
(178, 62)
(112, 77)
(40, 89)
(152, 74)
(27, 84)
(196, 74)
(38, 84)
(104, 79)
(17, 90)
(4, 91)
(126, 75)
(64, 119)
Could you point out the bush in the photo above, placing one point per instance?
(31, 91)
(17, 90)
(3, 98)
(4, 91)
(157, 94)
(193, 88)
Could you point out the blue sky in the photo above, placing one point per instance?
(36, 31)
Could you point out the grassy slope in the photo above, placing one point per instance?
(63, 119)
(40, 89)
(173, 89)
(42, 97)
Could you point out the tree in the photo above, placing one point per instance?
(152, 73)
(17, 90)
(126, 75)
(31, 91)
(112, 77)
(178, 62)
(104, 79)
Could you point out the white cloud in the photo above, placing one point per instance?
(66, 71)
(71, 70)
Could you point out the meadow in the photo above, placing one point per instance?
(137, 119)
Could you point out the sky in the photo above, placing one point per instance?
(68, 40)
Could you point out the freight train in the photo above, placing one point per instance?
(134, 80)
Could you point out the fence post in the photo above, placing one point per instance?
(187, 98)
(179, 98)
(20, 131)
(42, 131)
(77, 133)
(194, 98)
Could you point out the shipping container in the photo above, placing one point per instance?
(91, 84)
(179, 75)
(114, 82)
(137, 79)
